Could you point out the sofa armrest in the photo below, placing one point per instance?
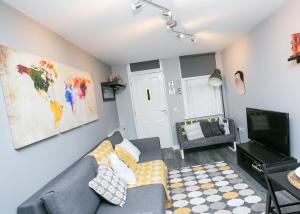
(232, 127)
(147, 144)
(179, 135)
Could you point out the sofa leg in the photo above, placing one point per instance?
(182, 154)
(233, 148)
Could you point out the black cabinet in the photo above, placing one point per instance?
(252, 155)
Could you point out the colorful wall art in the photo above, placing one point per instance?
(44, 98)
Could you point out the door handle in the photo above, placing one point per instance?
(148, 94)
(165, 110)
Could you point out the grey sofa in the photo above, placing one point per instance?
(72, 189)
(185, 144)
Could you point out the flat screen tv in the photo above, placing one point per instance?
(270, 129)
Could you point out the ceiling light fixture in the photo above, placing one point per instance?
(193, 39)
(180, 35)
(167, 13)
(171, 23)
(136, 5)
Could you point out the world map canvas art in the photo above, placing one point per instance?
(44, 98)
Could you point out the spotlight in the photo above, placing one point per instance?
(180, 35)
(193, 39)
(167, 13)
(136, 5)
(171, 24)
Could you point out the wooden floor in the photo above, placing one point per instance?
(213, 154)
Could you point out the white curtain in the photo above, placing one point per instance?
(200, 99)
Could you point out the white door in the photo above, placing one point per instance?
(150, 107)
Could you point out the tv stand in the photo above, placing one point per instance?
(251, 156)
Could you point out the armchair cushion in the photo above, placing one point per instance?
(210, 128)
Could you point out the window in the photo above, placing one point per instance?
(200, 99)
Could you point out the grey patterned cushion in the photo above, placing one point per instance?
(108, 185)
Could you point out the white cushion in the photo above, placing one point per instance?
(193, 131)
(120, 168)
(225, 123)
(131, 149)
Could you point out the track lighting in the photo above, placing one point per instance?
(167, 13)
(180, 35)
(171, 24)
(136, 5)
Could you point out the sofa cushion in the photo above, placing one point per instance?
(121, 169)
(147, 144)
(115, 138)
(210, 128)
(102, 152)
(131, 149)
(148, 199)
(224, 125)
(193, 131)
(71, 193)
(126, 157)
(155, 154)
(109, 186)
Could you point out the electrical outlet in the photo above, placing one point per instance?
(241, 129)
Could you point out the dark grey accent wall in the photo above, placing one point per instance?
(147, 65)
(197, 65)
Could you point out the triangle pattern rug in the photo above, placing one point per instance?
(211, 188)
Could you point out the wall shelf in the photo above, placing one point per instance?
(109, 90)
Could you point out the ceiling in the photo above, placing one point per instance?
(108, 29)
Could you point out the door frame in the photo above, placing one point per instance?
(145, 72)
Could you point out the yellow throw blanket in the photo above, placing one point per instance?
(152, 172)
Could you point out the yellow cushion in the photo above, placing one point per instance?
(126, 157)
(102, 153)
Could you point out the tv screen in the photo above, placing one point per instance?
(270, 129)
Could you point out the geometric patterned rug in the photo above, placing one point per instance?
(211, 188)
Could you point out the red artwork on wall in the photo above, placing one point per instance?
(296, 44)
(295, 47)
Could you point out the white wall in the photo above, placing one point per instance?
(271, 81)
(172, 72)
(26, 170)
(124, 104)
